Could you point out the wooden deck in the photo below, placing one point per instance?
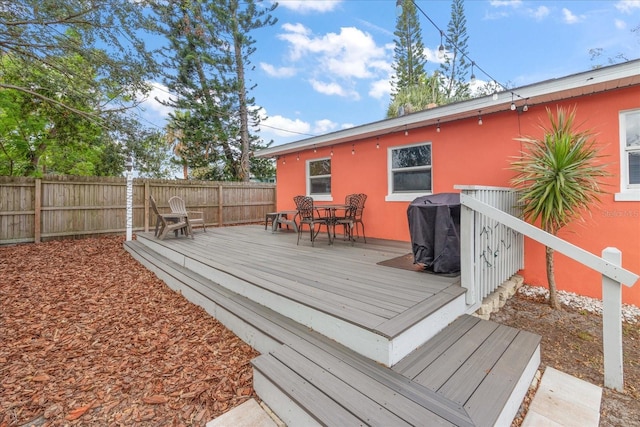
(326, 317)
(338, 290)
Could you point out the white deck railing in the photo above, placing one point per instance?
(485, 212)
(490, 251)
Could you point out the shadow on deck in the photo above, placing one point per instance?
(345, 341)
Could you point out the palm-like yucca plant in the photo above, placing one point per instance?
(558, 176)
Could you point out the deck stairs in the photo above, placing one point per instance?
(470, 372)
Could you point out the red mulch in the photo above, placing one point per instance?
(88, 336)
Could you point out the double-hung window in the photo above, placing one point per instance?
(319, 179)
(409, 172)
(629, 156)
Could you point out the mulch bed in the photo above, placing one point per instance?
(88, 336)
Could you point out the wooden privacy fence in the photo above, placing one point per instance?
(53, 207)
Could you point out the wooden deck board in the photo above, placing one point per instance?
(319, 405)
(475, 369)
(343, 387)
(442, 368)
(415, 362)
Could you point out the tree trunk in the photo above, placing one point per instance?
(553, 297)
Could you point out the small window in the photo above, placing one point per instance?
(319, 177)
(409, 172)
(629, 156)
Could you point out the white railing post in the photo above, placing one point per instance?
(612, 324)
(467, 254)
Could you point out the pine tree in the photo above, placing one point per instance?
(210, 47)
(409, 58)
(412, 89)
(455, 68)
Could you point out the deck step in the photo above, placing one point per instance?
(308, 386)
(309, 379)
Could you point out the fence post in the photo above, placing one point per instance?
(612, 324)
(146, 206)
(220, 206)
(37, 217)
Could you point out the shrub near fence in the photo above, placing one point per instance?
(55, 207)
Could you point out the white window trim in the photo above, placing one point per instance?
(627, 192)
(317, 197)
(405, 197)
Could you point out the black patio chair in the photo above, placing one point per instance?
(308, 215)
(357, 218)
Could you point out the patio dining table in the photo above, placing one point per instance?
(330, 214)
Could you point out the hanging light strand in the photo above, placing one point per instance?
(474, 64)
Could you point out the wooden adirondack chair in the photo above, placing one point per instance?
(165, 223)
(178, 206)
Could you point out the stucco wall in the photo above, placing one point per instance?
(469, 154)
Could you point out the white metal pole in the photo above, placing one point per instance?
(129, 200)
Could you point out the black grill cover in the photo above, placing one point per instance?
(434, 225)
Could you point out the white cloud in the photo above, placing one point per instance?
(620, 24)
(333, 88)
(336, 61)
(151, 104)
(569, 17)
(346, 125)
(627, 6)
(304, 6)
(280, 72)
(344, 54)
(507, 3)
(283, 126)
(324, 126)
(540, 13)
(432, 55)
(380, 88)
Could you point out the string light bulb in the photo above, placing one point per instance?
(406, 131)
(297, 156)
(513, 105)
(315, 150)
(284, 160)
(378, 143)
(473, 76)
(353, 149)
(479, 118)
(438, 126)
(525, 107)
(331, 151)
(441, 47)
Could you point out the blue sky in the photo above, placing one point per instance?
(326, 64)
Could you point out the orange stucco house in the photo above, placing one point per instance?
(473, 143)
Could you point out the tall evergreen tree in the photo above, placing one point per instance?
(209, 49)
(409, 58)
(456, 66)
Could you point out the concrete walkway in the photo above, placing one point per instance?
(249, 414)
(564, 401)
